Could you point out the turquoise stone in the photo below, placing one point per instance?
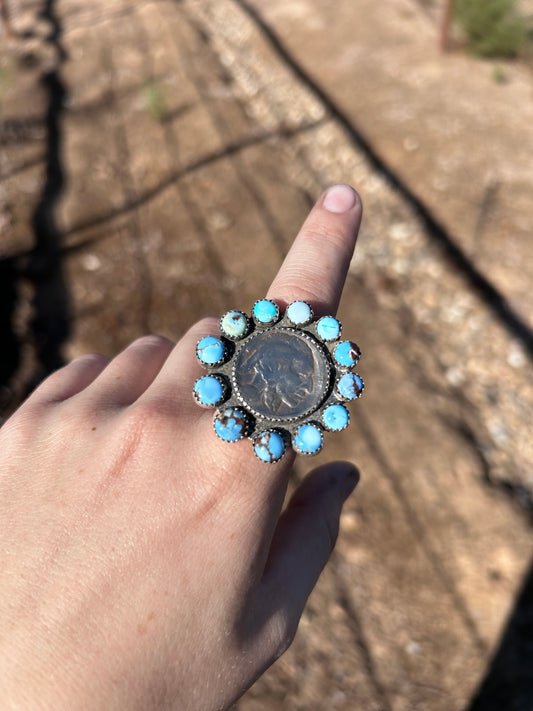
(347, 353)
(269, 446)
(231, 425)
(209, 390)
(265, 311)
(308, 439)
(350, 386)
(336, 417)
(299, 313)
(234, 324)
(328, 328)
(210, 350)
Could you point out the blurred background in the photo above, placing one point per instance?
(156, 160)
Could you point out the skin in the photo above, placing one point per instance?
(144, 563)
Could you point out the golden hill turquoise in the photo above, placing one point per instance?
(231, 424)
(308, 439)
(336, 418)
(350, 386)
(328, 328)
(210, 351)
(278, 378)
(210, 390)
(347, 354)
(269, 446)
(265, 311)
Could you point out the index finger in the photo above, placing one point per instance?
(315, 268)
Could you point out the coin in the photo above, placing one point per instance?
(281, 374)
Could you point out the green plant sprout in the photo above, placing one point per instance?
(495, 28)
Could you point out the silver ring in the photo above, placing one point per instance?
(280, 379)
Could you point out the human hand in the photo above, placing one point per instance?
(144, 562)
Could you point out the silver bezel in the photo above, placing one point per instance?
(286, 426)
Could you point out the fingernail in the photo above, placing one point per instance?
(339, 198)
(349, 482)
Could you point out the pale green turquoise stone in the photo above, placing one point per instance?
(234, 324)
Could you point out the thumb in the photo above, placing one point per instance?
(305, 536)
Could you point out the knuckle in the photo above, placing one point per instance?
(150, 414)
(207, 325)
(153, 341)
(89, 359)
(283, 628)
(70, 417)
(298, 286)
(23, 425)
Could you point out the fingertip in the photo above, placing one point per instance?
(349, 480)
(341, 198)
(335, 477)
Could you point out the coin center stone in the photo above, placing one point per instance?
(281, 374)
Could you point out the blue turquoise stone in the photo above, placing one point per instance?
(265, 311)
(347, 353)
(350, 386)
(328, 328)
(336, 417)
(210, 350)
(269, 446)
(308, 439)
(232, 424)
(209, 390)
(299, 313)
(234, 324)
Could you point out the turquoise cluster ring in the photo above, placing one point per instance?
(279, 379)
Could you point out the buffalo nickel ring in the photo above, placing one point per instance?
(278, 379)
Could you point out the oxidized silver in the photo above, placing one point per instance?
(289, 381)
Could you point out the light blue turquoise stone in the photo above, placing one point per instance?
(231, 425)
(350, 386)
(269, 446)
(308, 439)
(299, 313)
(336, 417)
(328, 328)
(346, 353)
(210, 350)
(209, 390)
(265, 311)
(234, 324)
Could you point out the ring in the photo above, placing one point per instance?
(280, 379)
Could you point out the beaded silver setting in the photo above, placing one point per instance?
(280, 379)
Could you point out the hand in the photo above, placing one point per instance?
(144, 563)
